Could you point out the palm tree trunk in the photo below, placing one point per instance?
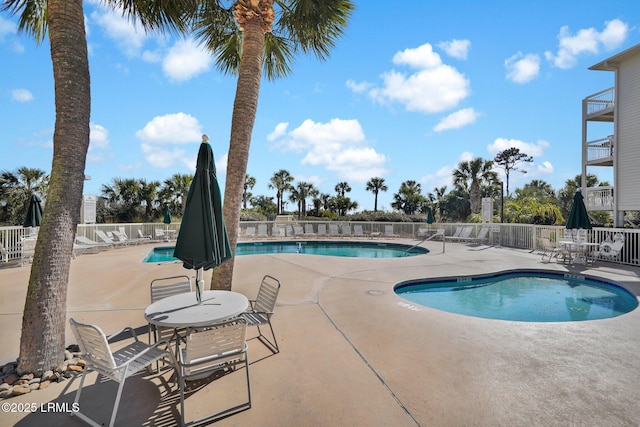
(43, 323)
(244, 113)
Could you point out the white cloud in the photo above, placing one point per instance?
(531, 149)
(457, 120)
(163, 136)
(279, 131)
(587, 40)
(221, 164)
(522, 68)
(441, 178)
(433, 88)
(128, 35)
(339, 146)
(358, 87)
(456, 48)
(21, 95)
(98, 137)
(186, 60)
(546, 168)
(6, 27)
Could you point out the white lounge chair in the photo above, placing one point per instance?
(298, 231)
(250, 232)
(346, 230)
(481, 236)
(141, 235)
(262, 230)
(388, 231)
(106, 239)
(87, 242)
(611, 250)
(357, 230)
(116, 365)
(322, 229)
(333, 230)
(464, 234)
(308, 230)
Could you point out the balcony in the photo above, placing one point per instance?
(599, 198)
(600, 152)
(599, 106)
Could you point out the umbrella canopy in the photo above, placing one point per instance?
(430, 219)
(578, 217)
(34, 212)
(202, 241)
(167, 215)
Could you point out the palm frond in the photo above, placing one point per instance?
(33, 16)
(157, 15)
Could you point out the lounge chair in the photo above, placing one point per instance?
(481, 236)
(27, 249)
(322, 229)
(116, 365)
(221, 348)
(87, 242)
(298, 231)
(106, 239)
(262, 230)
(143, 236)
(346, 230)
(357, 230)
(160, 234)
(250, 232)
(463, 235)
(611, 250)
(308, 230)
(549, 250)
(388, 231)
(333, 230)
(121, 237)
(262, 308)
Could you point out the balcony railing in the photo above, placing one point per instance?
(600, 149)
(600, 101)
(599, 198)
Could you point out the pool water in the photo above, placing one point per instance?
(340, 249)
(523, 296)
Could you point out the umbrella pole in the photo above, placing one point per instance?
(199, 284)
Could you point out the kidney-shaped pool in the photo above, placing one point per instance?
(526, 295)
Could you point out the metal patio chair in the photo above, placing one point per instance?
(262, 308)
(116, 365)
(220, 348)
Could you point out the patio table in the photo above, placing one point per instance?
(582, 250)
(183, 310)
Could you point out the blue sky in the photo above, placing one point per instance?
(406, 95)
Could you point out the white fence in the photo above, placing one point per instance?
(522, 236)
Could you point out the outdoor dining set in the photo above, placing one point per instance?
(198, 337)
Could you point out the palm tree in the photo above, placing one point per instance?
(436, 199)
(244, 36)
(175, 191)
(16, 189)
(375, 185)
(342, 188)
(470, 175)
(281, 182)
(249, 183)
(148, 195)
(43, 322)
(408, 199)
(299, 194)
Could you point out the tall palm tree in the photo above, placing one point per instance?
(43, 322)
(244, 37)
(342, 188)
(299, 194)
(436, 199)
(281, 182)
(16, 189)
(148, 195)
(470, 175)
(408, 199)
(249, 183)
(175, 191)
(375, 185)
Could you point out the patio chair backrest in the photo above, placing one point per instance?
(265, 302)
(207, 349)
(308, 228)
(322, 229)
(93, 345)
(168, 286)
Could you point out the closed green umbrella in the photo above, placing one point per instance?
(430, 219)
(578, 216)
(203, 242)
(34, 212)
(167, 215)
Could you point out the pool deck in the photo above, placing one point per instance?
(353, 353)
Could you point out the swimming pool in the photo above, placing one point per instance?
(527, 296)
(340, 249)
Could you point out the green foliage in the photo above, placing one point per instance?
(252, 215)
(382, 216)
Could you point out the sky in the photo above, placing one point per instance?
(407, 94)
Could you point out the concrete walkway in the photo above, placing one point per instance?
(353, 353)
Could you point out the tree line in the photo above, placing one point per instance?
(140, 200)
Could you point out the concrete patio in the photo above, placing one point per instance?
(353, 353)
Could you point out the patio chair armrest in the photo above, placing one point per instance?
(122, 331)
